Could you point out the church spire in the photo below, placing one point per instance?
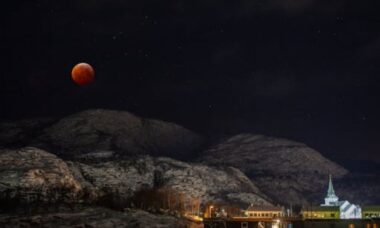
(331, 199)
(330, 191)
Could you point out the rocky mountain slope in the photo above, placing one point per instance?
(288, 171)
(30, 175)
(116, 153)
(98, 130)
(124, 178)
(121, 132)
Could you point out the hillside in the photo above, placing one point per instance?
(99, 130)
(287, 171)
(31, 176)
(103, 148)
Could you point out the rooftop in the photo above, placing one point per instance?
(371, 208)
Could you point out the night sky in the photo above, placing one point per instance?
(306, 70)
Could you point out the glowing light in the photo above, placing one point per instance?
(276, 223)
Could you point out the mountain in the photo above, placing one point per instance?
(23, 132)
(124, 178)
(100, 129)
(287, 171)
(31, 176)
(359, 188)
(112, 155)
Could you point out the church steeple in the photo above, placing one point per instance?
(330, 190)
(331, 199)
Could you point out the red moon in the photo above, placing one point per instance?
(83, 74)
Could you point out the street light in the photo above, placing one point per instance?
(210, 208)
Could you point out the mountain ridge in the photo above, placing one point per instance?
(297, 172)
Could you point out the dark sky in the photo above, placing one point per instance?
(306, 70)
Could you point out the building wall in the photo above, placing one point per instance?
(370, 213)
(333, 214)
(349, 211)
(264, 214)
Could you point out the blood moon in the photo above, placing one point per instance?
(83, 74)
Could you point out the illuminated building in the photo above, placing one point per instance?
(333, 208)
(371, 211)
(347, 210)
(321, 212)
(262, 211)
(331, 199)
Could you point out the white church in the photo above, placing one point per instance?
(347, 210)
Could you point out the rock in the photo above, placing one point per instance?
(32, 175)
(96, 156)
(118, 153)
(124, 178)
(101, 130)
(115, 181)
(287, 171)
(119, 131)
(209, 183)
(95, 217)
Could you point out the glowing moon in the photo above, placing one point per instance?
(83, 74)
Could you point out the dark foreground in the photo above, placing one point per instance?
(325, 223)
(94, 217)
